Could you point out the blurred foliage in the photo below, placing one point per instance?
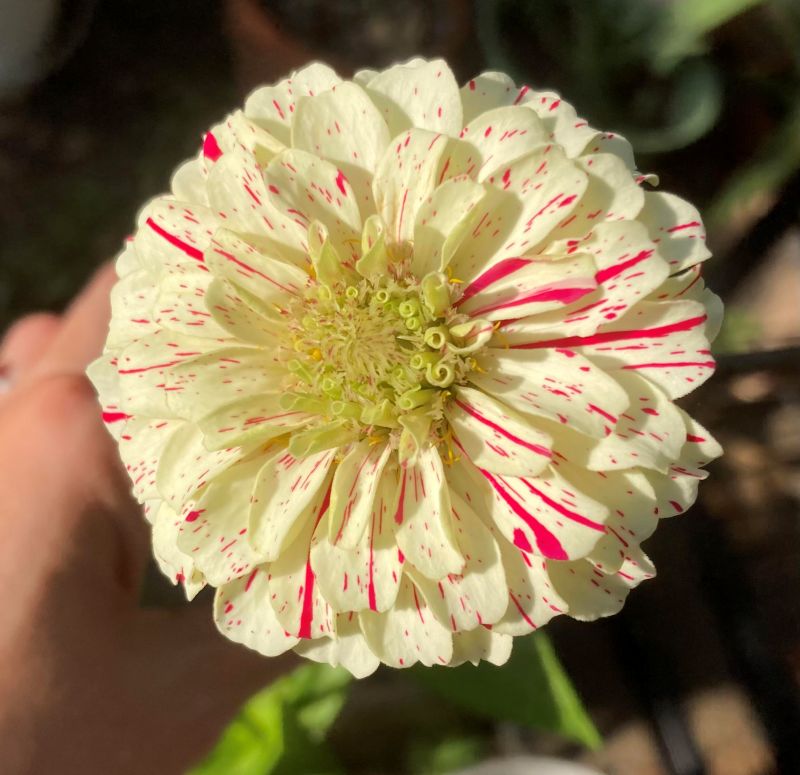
(639, 66)
(445, 756)
(740, 331)
(532, 689)
(768, 170)
(282, 729)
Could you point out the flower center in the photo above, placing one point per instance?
(375, 358)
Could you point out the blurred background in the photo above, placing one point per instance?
(101, 99)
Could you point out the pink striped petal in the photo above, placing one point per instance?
(519, 287)
(495, 437)
(286, 492)
(355, 486)
(529, 198)
(558, 384)
(293, 592)
(366, 576)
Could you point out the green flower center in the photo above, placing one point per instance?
(376, 358)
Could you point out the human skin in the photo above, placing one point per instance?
(89, 680)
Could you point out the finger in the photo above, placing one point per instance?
(200, 678)
(84, 328)
(25, 342)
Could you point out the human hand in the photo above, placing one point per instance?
(90, 682)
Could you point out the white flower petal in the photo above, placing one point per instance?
(172, 237)
(650, 432)
(347, 649)
(569, 130)
(344, 127)
(678, 491)
(266, 277)
(238, 319)
(243, 614)
(406, 176)
(186, 465)
(629, 268)
(442, 222)
(544, 515)
(250, 420)
(239, 133)
(612, 195)
(408, 632)
(181, 306)
(630, 500)
(501, 137)
(486, 91)
(588, 593)
(237, 189)
(663, 342)
(144, 366)
(676, 226)
(103, 374)
(425, 532)
(468, 599)
(214, 525)
(141, 444)
(363, 77)
(285, 494)
(272, 107)
(302, 188)
(174, 564)
(133, 299)
(423, 95)
(481, 645)
(207, 383)
(532, 601)
(188, 183)
(519, 287)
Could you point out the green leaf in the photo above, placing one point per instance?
(531, 689)
(252, 744)
(282, 728)
(687, 22)
(447, 755)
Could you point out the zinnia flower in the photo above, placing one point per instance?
(393, 367)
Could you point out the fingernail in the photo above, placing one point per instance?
(5, 378)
